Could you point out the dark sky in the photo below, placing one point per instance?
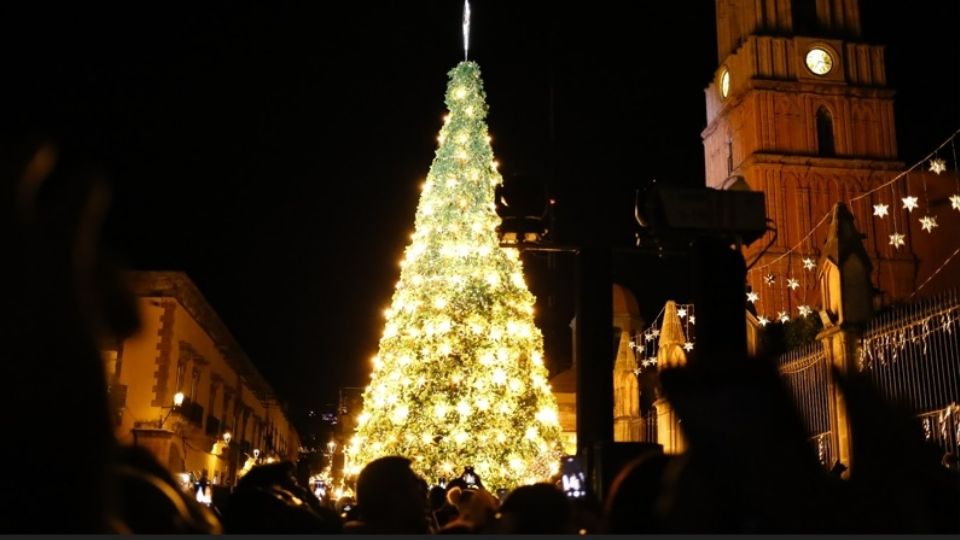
(273, 150)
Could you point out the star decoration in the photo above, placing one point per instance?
(688, 346)
(793, 284)
(763, 320)
(909, 203)
(808, 263)
(928, 223)
(648, 337)
(637, 371)
(897, 240)
(682, 312)
(752, 297)
(881, 210)
(692, 319)
(632, 344)
(769, 279)
(783, 317)
(955, 202)
(804, 310)
(656, 332)
(938, 165)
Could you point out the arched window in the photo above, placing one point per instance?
(825, 143)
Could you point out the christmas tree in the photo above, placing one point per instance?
(459, 378)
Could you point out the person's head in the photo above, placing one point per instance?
(391, 497)
(475, 507)
(630, 505)
(536, 509)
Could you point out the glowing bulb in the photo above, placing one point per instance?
(400, 414)
(439, 302)
(463, 408)
(440, 410)
(362, 418)
(460, 92)
(548, 416)
(498, 377)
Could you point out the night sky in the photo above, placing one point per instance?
(273, 150)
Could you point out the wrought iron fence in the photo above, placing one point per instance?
(911, 353)
(804, 370)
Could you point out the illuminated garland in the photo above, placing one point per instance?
(459, 378)
(913, 203)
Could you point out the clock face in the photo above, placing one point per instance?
(819, 61)
(724, 83)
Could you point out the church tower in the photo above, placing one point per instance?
(799, 108)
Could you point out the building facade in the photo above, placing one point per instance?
(228, 411)
(799, 108)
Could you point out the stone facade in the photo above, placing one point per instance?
(809, 140)
(183, 346)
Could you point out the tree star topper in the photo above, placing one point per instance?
(881, 210)
(466, 28)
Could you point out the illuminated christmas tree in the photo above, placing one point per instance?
(459, 378)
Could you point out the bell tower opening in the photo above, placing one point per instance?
(825, 143)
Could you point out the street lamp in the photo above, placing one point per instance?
(177, 402)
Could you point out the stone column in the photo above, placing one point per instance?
(848, 300)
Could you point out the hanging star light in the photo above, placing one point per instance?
(682, 312)
(909, 203)
(769, 279)
(763, 321)
(656, 332)
(955, 202)
(897, 240)
(752, 297)
(692, 319)
(928, 223)
(938, 165)
(808, 263)
(881, 210)
(688, 346)
(804, 310)
(648, 337)
(793, 284)
(783, 317)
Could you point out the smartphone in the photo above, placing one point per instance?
(574, 480)
(470, 478)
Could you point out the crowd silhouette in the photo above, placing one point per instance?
(748, 467)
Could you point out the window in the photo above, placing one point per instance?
(195, 384)
(825, 143)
